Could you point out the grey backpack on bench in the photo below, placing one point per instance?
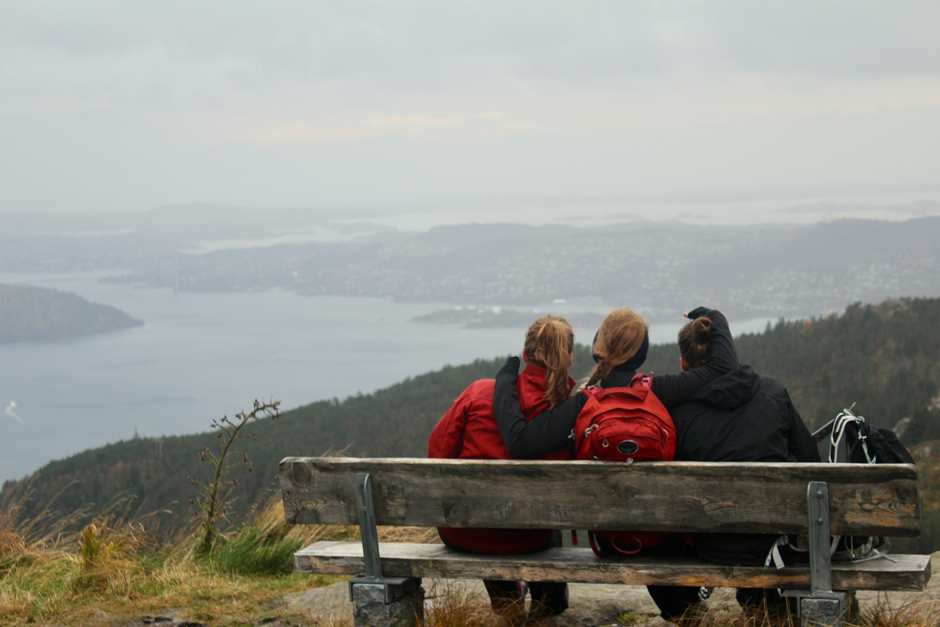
(852, 439)
(860, 442)
(864, 443)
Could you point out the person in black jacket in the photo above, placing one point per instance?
(738, 417)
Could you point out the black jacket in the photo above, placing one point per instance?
(742, 417)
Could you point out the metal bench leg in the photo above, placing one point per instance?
(381, 601)
(821, 605)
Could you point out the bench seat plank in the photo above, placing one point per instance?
(577, 565)
(865, 500)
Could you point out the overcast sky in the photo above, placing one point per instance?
(136, 104)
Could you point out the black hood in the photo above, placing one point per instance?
(730, 391)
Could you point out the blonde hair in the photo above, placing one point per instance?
(549, 343)
(620, 337)
(695, 342)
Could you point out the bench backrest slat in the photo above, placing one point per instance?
(877, 499)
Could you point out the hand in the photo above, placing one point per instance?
(698, 312)
(511, 368)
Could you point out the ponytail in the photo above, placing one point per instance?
(695, 342)
(549, 343)
(601, 370)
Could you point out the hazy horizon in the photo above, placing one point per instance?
(809, 207)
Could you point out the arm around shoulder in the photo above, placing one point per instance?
(542, 434)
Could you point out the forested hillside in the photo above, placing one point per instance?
(37, 313)
(885, 358)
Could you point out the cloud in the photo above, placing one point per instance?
(917, 208)
(364, 129)
(330, 57)
(430, 47)
(842, 39)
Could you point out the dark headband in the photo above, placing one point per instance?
(634, 362)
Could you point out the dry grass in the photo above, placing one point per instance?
(107, 549)
(60, 591)
(922, 613)
(116, 566)
(24, 540)
(722, 619)
(424, 535)
(448, 605)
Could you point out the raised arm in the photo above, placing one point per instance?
(673, 389)
(543, 434)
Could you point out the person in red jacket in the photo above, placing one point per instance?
(469, 431)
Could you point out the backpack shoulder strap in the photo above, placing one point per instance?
(845, 420)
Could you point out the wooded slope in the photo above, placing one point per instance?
(885, 358)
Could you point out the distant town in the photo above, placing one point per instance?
(658, 268)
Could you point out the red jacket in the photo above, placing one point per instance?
(469, 431)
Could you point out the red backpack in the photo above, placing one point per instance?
(627, 425)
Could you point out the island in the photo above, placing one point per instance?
(29, 313)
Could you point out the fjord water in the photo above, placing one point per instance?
(200, 355)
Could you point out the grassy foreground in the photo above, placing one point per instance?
(116, 571)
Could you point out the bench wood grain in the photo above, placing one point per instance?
(879, 499)
(576, 565)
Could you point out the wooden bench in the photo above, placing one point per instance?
(813, 499)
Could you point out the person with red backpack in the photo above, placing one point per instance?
(622, 416)
(468, 431)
